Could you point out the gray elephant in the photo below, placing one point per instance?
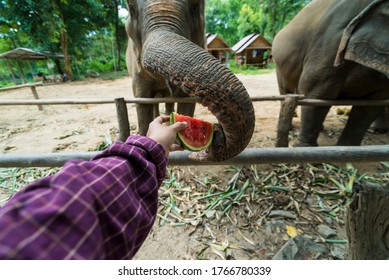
(381, 124)
(334, 49)
(166, 57)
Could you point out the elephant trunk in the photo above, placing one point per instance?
(203, 77)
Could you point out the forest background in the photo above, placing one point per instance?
(91, 34)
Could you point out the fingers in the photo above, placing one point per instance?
(160, 119)
(176, 147)
(178, 126)
(164, 118)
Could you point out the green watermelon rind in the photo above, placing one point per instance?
(185, 145)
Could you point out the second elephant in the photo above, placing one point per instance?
(335, 49)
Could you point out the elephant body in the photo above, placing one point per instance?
(335, 49)
(166, 57)
(147, 84)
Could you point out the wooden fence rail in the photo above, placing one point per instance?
(301, 101)
(373, 153)
(33, 90)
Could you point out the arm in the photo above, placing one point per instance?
(98, 209)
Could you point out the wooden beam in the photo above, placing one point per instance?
(122, 115)
(374, 153)
(368, 223)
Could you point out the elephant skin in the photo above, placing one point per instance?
(335, 49)
(166, 57)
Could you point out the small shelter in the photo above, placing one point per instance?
(20, 54)
(218, 48)
(27, 54)
(253, 49)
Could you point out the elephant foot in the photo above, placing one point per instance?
(300, 143)
(199, 156)
(379, 130)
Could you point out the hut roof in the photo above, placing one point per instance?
(247, 42)
(27, 54)
(215, 42)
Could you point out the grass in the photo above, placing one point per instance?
(328, 187)
(242, 199)
(250, 70)
(14, 179)
(257, 191)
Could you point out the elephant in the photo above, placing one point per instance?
(166, 56)
(381, 124)
(334, 49)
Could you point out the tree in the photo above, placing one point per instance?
(57, 24)
(234, 19)
(221, 18)
(275, 14)
(112, 14)
(248, 21)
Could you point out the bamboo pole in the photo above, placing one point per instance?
(122, 115)
(21, 86)
(373, 153)
(306, 102)
(35, 93)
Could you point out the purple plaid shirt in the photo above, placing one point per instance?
(98, 209)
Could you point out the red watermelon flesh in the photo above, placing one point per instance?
(197, 136)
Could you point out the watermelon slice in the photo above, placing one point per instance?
(197, 136)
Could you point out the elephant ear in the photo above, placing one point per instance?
(366, 39)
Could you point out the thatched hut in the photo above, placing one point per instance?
(253, 49)
(218, 48)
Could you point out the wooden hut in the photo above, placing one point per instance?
(218, 48)
(21, 54)
(253, 49)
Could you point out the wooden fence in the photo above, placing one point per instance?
(31, 86)
(372, 153)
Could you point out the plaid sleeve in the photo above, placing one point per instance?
(98, 209)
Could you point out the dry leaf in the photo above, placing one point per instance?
(291, 231)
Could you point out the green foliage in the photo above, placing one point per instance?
(95, 33)
(249, 69)
(52, 25)
(235, 19)
(101, 66)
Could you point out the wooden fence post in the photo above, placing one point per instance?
(122, 115)
(288, 107)
(36, 96)
(368, 223)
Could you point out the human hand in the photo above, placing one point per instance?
(165, 134)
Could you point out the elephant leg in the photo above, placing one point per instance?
(155, 111)
(145, 113)
(380, 124)
(288, 107)
(169, 108)
(186, 109)
(312, 119)
(358, 122)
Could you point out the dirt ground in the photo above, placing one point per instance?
(64, 128)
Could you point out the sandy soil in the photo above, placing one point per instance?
(25, 129)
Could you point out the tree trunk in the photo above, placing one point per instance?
(64, 45)
(368, 223)
(21, 72)
(118, 44)
(117, 35)
(58, 64)
(12, 72)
